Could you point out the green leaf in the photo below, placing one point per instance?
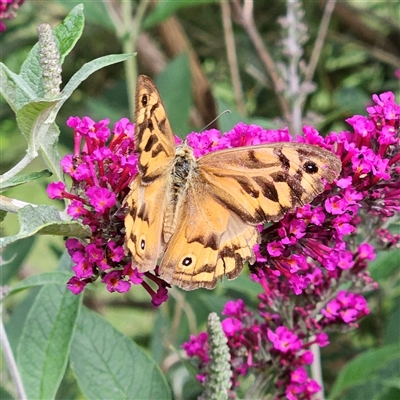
(228, 120)
(164, 9)
(36, 122)
(174, 85)
(46, 278)
(90, 67)
(4, 395)
(392, 382)
(9, 83)
(363, 368)
(385, 265)
(95, 12)
(108, 365)
(13, 257)
(42, 353)
(32, 120)
(24, 178)
(49, 150)
(16, 323)
(391, 333)
(44, 220)
(69, 31)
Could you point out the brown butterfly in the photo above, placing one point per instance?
(200, 215)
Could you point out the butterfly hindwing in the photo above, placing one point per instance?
(210, 241)
(144, 222)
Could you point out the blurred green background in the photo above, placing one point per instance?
(360, 56)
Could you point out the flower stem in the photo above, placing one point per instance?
(316, 371)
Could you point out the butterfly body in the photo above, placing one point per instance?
(200, 215)
(183, 168)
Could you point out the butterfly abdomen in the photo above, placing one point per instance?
(184, 166)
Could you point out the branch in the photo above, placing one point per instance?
(319, 42)
(232, 59)
(245, 18)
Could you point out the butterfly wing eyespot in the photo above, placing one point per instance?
(310, 167)
(187, 261)
(144, 100)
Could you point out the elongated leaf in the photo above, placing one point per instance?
(69, 31)
(36, 122)
(108, 365)
(32, 121)
(363, 368)
(385, 265)
(49, 150)
(90, 67)
(9, 82)
(95, 12)
(42, 353)
(44, 220)
(46, 278)
(24, 178)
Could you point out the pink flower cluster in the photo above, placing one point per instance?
(101, 168)
(303, 259)
(250, 339)
(347, 307)
(8, 10)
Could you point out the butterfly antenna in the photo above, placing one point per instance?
(217, 117)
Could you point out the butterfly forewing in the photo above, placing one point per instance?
(154, 140)
(262, 183)
(147, 200)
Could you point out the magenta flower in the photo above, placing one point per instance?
(284, 340)
(160, 296)
(76, 285)
(234, 308)
(56, 190)
(133, 274)
(8, 10)
(101, 199)
(231, 326)
(115, 283)
(76, 209)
